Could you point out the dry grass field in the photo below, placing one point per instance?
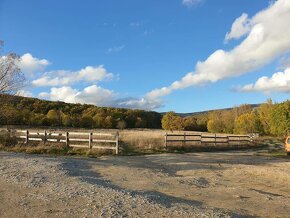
(132, 142)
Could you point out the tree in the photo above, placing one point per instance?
(11, 77)
(190, 123)
(248, 123)
(54, 117)
(121, 124)
(280, 119)
(170, 121)
(87, 121)
(264, 112)
(108, 122)
(215, 123)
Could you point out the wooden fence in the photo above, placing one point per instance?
(206, 139)
(71, 139)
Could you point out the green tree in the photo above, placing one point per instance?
(190, 123)
(121, 124)
(247, 123)
(53, 117)
(215, 123)
(87, 121)
(264, 112)
(280, 119)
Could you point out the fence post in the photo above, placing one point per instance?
(44, 138)
(90, 140)
(184, 139)
(58, 137)
(215, 140)
(200, 139)
(165, 141)
(117, 143)
(67, 139)
(27, 137)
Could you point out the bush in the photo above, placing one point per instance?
(6, 140)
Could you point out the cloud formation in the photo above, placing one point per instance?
(30, 65)
(279, 82)
(97, 95)
(268, 37)
(240, 27)
(190, 3)
(115, 49)
(64, 78)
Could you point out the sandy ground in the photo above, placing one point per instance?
(218, 184)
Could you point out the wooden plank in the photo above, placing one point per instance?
(51, 140)
(181, 135)
(55, 134)
(181, 140)
(104, 134)
(35, 139)
(237, 136)
(79, 146)
(208, 137)
(36, 133)
(78, 133)
(21, 131)
(78, 140)
(104, 140)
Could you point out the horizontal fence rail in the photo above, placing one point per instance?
(88, 140)
(206, 139)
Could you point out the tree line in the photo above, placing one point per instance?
(16, 110)
(265, 119)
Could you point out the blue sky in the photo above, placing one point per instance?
(133, 47)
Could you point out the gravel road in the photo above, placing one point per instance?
(39, 186)
(218, 184)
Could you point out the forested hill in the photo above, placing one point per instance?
(253, 106)
(16, 110)
(267, 119)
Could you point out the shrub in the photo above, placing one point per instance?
(6, 140)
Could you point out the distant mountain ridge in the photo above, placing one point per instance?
(208, 111)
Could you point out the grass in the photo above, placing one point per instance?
(132, 142)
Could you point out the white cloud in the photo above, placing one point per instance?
(43, 95)
(279, 82)
(24, 93)
(115, 49)
(135, 24)
(190, 3)
(268, 38)
(64, 78)
(30, 65)
(99, 96)
(240, 27)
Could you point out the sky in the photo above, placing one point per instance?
(162, 55)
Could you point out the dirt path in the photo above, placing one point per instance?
(229, 184)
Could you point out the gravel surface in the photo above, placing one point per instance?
(40, 186)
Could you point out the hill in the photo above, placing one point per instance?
(16, 110)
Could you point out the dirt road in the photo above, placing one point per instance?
(224, 184)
